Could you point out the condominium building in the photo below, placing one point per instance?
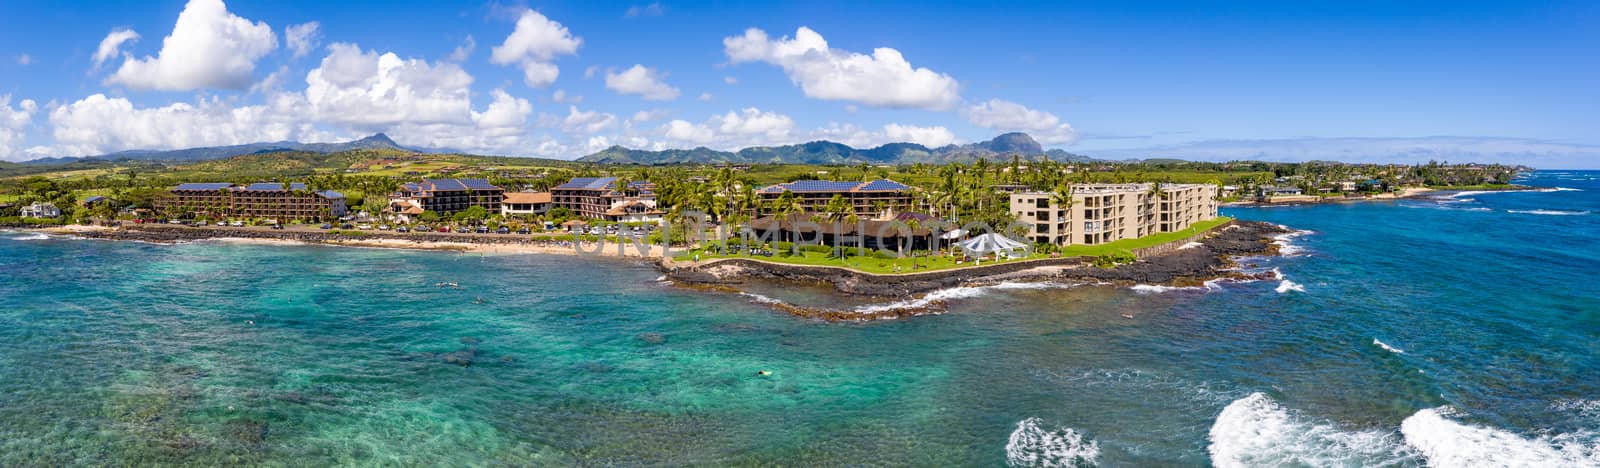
(525, 203)
(445, 196)
(869, 200)
(255, 201)
(595, 197)
(1102, 213)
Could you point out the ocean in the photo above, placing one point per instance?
(1451, 331)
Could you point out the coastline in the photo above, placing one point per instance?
(1209, 257)
(450, 242)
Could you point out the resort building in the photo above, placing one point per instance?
(869, 200)
(256, 201)
(41, 210)
(1102, 213)
(597, 197)
(525, 203)
(445, 196)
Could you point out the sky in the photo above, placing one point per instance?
(1371, 80)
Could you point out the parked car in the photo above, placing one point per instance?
(464, 230)
(524, 231)
(277, 226)
(326, 226)
(222, 223)
(364, 227)
(503, 230)
(346, 226)
(482, 230)
(238, 224)
(383, 227)
(443, 229)
(402, 229)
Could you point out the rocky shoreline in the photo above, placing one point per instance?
(1207, 258)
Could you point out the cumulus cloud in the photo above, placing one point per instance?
(858, 137)
(648, 115)
(464, 50)
(99, 124)
(302, 38)
(208, 48)
(1009, 116)
(501, 128)
(1403, 150)
(561, 96)
(112, 44)
(730, 80)
(533, 45)
(706, 97)
(883, 79)
(733, 130)
(14, 124)
(932, 137)
(644, 82)
(366, 89)
(587, 122)
(24, 60)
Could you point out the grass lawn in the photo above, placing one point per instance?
(872, 264)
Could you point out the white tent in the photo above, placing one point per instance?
(992, 243)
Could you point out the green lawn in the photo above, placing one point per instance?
(872, 264)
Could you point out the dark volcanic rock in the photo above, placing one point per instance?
(463, 358)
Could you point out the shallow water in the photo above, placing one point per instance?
(1421, 332)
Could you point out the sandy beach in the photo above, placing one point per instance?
(470, 243)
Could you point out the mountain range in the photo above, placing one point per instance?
(826, 152)
(817, 152)
(376, 141)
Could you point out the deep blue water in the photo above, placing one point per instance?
(1448, 332)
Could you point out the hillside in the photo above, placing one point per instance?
(827, 152)
(374, 142)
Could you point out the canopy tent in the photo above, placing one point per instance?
(992, 243)
(953, 235)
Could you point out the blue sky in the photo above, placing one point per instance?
(563, 79)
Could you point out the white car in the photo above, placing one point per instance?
(222, 223)
(238, 224)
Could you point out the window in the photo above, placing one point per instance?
(1042, 202)
(1041, 228)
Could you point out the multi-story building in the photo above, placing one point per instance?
(256, 201)
(1102, 213)
(865, 198)
(594, 197)
(445, 196)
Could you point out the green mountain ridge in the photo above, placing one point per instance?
(827, 152)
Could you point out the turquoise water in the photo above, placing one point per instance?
(1443, 332)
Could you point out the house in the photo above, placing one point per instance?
(92, 200)
(41, 210)
(634, 211)
(525, 203)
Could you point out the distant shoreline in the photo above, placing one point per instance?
(1409, 193)
(451, 242)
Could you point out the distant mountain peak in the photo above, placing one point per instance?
(376, 141)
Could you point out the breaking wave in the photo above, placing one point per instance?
(1386, 347)
(1286, 246)
(1032, 445)
(1550, 212)
(1285, 286)
(30, 236)
(1256, 431)
(1445, 442)
(959, 292)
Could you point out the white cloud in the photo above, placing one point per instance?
(533, 45)
(730, 80)
(464, 50)
(1402, 150)
(653, 9)
(733, 130)
(208, 48)
(99, 124)
(302, 38)
(113, 44)
(1009, 116)
(883, 79)
(644, 82)
(14, 124)
(706, 97)
(561, 96)
(499, 129)
(271, 82)
(858, 137)
(591, 71)
(587, 122)
(932, 137)
(24, 60)
(366, 89)
(648, 116)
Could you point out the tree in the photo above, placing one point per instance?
(428, 217)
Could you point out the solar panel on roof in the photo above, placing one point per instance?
(884, 184)
(477, 184)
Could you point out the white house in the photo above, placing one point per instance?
(41, 210)
(517, 203)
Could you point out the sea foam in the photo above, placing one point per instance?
(1550, 212)
(1256, 431)
(1386, 347)
(1285, 286)
(959, 292)
(1032, 445)
(1446, 442)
